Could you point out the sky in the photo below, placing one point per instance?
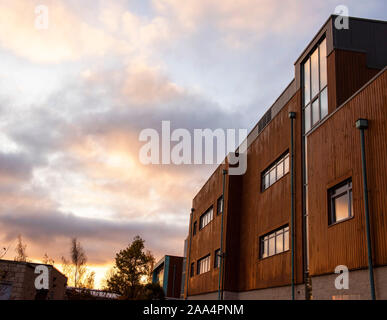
(75, 96)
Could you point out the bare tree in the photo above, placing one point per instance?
(76, 269)
(20, 250)
(47, 260)
(4, 251)
(78, 259)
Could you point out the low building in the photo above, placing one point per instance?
(17, 282)
(168, 273)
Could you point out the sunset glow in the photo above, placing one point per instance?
(75, 96)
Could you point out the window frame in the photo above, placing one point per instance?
(199, 264)
(273, 167)
(348, 190)
(220, 200)
(206, 214)
(321, 88)
(192, 270)
(217, 258)
(264, 242)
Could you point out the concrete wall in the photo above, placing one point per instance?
(323, 287)
(277, 293)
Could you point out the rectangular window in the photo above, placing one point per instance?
(307, 116)
(315, 112)
(217, 258)
(275, 242)
(192, 271)
(275, 172)
(206, 218)
(203, 265)
(315, 86)
(219, 205)
(340, 202)
(323, 64)
(314, 63)
(324, 103)
(194, 227)
(306, 83)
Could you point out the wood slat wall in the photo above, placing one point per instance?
(262, 212)
(347, 72)
(207, 240)
(333, 155)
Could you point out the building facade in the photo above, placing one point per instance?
(168, 273)
(298, 214)
(17, 282)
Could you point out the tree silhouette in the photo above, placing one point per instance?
(76, 269)
(21, 254)
(132, 267)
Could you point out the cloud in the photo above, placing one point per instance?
(82, 176)
(239, 23)
(50, 231)
(15, 166)
(68, 37)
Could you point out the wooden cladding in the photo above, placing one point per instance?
(347, 73)
(333, 155)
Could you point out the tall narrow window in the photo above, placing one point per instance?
(192, 271)
(340, 202)
(315, 86)
(217, 258)
(195, 225)
(219, 205)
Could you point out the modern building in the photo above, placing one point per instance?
(17, 282)
(313, 199)
(168, 273)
